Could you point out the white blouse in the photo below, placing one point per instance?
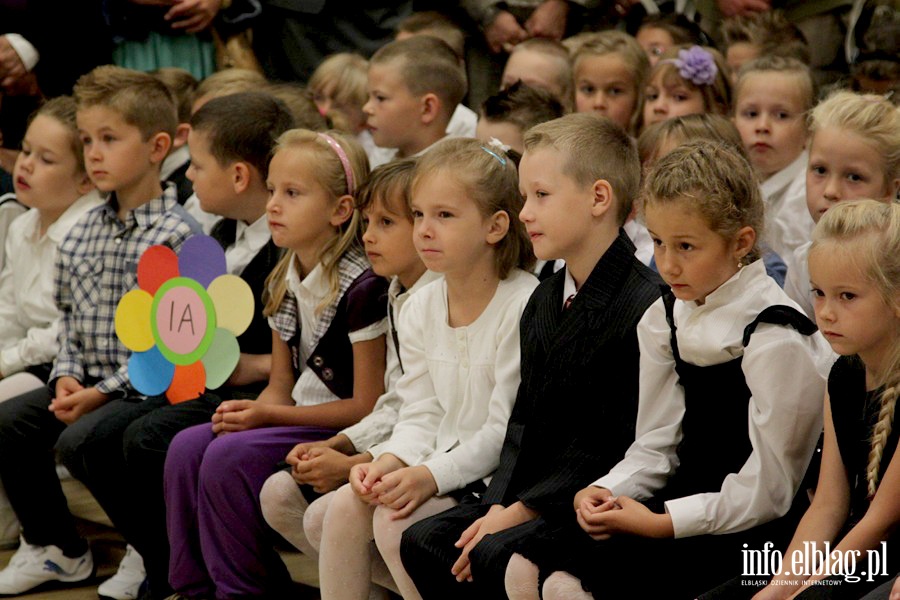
(29, 318)
(377, 426)
(459, 384)
(786, 374)
(788, 222)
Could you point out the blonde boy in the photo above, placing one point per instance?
(414, 86)
(543, 64)
(126, 120)
(772, 98)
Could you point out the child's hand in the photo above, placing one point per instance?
(405, 490)
(67, 385)
(363, 476)
(301, 451)
(238, 415)
(72, 406)
(593, 495)
(623, 515)
(322, 468)
(497, 519)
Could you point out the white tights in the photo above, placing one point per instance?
(349, 560)
(283, 508)
(522, 578)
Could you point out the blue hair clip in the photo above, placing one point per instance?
(499, 158)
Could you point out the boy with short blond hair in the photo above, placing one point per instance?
(579, 176)
(772, 100)
(414, 86)
(126, 120)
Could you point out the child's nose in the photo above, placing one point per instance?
(832, 189)
(367, 107)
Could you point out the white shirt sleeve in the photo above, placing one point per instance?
(651, 459)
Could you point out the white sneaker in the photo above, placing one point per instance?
(126, 583)
(32, 566)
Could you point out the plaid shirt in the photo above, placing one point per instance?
(95, 267)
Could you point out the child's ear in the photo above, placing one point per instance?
(431, 107)
(241, 175)
(343, 210)
(160, 143)
(603, 198)
(895, 189)
(85, 184)
(744, 240)
(181, 135)
(498, 227)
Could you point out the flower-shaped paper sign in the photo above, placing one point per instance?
(182, 322)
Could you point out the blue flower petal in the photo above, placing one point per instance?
(150, 373)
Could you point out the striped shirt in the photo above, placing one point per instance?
(96, 266)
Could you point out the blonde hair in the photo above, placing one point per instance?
(561, 56)
(689, 128)
(342, 76)
(491, 181)
(716, 96)
(626, 48)
(869, 231)
(230, 81)
(436, 25)
(63, 109)
(142, 100)
(593, 148)
(389, 183)
(299, 102)
(330, 174)
(770, 31)
(182, 85)
(871, 117)
(771, 63)
(715, 180)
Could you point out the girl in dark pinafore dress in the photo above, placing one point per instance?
(731, 383)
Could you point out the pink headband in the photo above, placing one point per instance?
(348, 173)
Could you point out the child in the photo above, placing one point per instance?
(687, 81)
(854, 266)
(772, 98)
(183, 87)
(126, 120)
(327, 313)
(414, 86)
(728, 412)
(460, 353)
(325, 466)
(579, 175)
(49, 178)
(610, 72)
(338, 87)
(507, 115)
(230, 140)
(301, 105)
(656, 33)
(854, 153)
(658, 140)
(764, 33)
(543, 64)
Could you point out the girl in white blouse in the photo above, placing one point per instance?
(729, 407)
(49, 178)
(459, 343)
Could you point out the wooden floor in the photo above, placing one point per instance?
(108, 548)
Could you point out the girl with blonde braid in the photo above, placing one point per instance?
(854, 265)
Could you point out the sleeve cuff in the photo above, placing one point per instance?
(688, 516)
(445, 474)
(369, 332)
(10, 362)
(613, 482)
(25, 49)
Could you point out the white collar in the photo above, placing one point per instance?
(60, 228)
(785, 177)
(257, 233)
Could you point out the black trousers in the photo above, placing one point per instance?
(30, 439)
(122, 462)
(428, 551)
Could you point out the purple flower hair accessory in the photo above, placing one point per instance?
(696, 65)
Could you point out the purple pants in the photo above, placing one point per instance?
(218, 538)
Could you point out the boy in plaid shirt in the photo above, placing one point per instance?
(126, 120)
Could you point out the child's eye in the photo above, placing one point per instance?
(85, 141)
(540, 194)
(587, 90)
(444, 214)
(657, 241)
(46, 160)
(417, 214)
(855, 177)
(651, 95)
(749, 114)
(270, 190)
(385, 222)
(681, 97)
(616, 91)
(292, 192)
(817, 170)
(817, 293)
(108, 138)
(685, 246)
(847, 295)
(784, 115)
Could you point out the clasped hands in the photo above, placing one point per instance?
(389, 482)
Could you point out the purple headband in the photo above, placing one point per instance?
(696, 65)
(348, 173)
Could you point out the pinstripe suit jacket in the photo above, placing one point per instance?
(576, 406)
